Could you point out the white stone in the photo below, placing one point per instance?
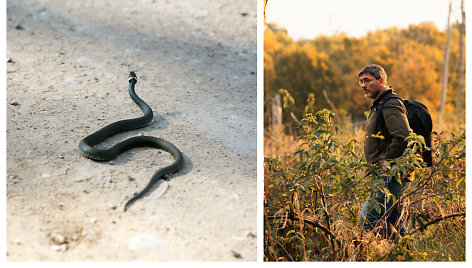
(147, 242)
(74, 80)
(84, 60)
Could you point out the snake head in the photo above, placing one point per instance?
(131, 76)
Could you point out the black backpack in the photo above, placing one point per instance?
(419, 120)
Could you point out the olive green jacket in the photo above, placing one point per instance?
(396, 123)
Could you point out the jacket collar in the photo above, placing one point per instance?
(387, 91)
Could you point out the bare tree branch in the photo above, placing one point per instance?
(306, 219)
(436, 220)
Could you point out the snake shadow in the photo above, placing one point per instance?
(188, 166)
(159, 123)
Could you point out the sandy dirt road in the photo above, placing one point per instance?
(67, 77)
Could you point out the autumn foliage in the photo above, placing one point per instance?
(413, 59)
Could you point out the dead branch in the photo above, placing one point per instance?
(306, 219)
(329, 101)
(436, 220)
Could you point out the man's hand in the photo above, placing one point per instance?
(383, 167)
(383, 170)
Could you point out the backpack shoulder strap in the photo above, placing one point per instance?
(380, 105)
(386, 98)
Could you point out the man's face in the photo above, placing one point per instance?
(372, 87)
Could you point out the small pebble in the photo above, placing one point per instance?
(129, 51)
(74, 80)
(60, 156)
(238, 238)
(93, 220)
(33, 251)
(111, 77)
(59, 98)
(236, 254)
(17, 241)
(14, 103)
(111, 205)
(9, 59)
(80, 179)
(19, 27)
(147, 242)
(84, 60)
(56, 247)
(45, 175)
(84, 233)
(58, 239)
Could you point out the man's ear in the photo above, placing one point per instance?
(382, 81)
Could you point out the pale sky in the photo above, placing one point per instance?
(310, 18)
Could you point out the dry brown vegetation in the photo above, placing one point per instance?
(314, 188)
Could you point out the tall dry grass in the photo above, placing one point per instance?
(311, 206)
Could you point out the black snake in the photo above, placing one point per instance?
(87, 149)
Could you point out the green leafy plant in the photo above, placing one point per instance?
(313, 196)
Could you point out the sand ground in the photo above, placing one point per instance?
(67, 77)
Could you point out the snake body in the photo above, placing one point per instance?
(87, 148)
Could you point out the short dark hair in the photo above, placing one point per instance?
(375, 70)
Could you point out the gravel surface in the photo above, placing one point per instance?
(67, 68)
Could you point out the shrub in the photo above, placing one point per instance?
(313, 196)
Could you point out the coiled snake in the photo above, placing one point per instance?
(87, 149)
